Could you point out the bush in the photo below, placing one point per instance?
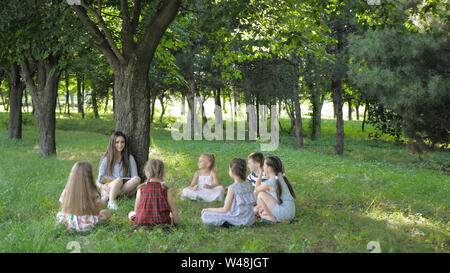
(405, 75)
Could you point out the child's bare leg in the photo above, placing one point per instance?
(129, 188)
(266, 203)
(255, 210)
(115, 186)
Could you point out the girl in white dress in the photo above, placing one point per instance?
(205, 184)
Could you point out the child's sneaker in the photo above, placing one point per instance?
(131, 214)
(112, 205)
(105, 197)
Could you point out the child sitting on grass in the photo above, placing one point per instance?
(205, 184)
(80, 200)
(255, 164)
(275, 197)
(154, 204)
(238, 207)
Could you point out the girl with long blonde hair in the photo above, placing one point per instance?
(80, 201)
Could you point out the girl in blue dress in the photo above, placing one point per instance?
(238, 207)
(275, 196)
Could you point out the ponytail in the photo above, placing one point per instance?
(277, 166)
(291, 190)
(278, 191)
(277, 181)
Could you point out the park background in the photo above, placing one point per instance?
(362, 88)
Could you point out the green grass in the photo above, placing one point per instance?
(375, 192)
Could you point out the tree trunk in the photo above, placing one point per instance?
(67, 94)
(72, 100)
(44, 100)
(57, 102)
(349, 109)
(106, 101)
(298, 112)
(26, 100)
(15, 100)
(80, 94)
(316, 121)
(298, 122)
(183, 105)
(251, 115)
(290, 112)
(279, 114)
(94, 101)
(273, 101)
(114, 103)
(357, 110)
(364, 118)
(217, 97)
(204, 118)
(163, 107)
(336, 86)
(257, 116)
(131, 108)
(237, 102)
(191, 106)
(32, 106)
(152, 112)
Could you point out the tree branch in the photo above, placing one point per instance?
(136, 14)
(105, 29)
(125, 12)
(27, 76)
(157, 26)
(127, 34)
(102, 44)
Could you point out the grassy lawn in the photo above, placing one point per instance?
(375, 192)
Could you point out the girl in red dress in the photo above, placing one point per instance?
(154, 203)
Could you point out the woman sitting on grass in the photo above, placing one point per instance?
(238, 207)
(118, 172)
(154, 203)
(275, 197)
(80, 201)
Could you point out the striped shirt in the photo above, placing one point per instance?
(253, 177)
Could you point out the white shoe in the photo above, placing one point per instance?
(131, 214)
(105, 197)
(112, 205)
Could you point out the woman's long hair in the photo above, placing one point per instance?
(112, 156)
(277, 166)
(80, 192)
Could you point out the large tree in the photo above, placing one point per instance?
(129, 51)
(37, 38)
